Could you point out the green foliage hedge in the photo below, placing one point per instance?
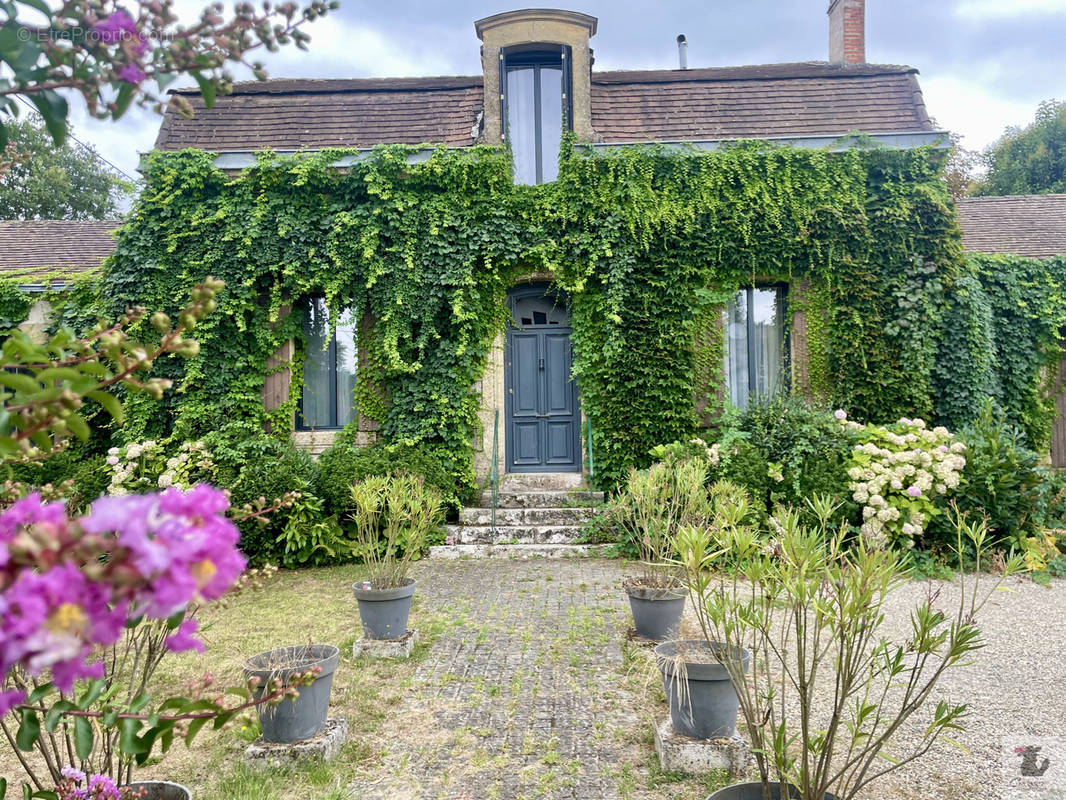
(344, 464)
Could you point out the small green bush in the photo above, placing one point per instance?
(1003, 479)
(344, 465)
(269, 467)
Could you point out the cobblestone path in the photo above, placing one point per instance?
(526, 695)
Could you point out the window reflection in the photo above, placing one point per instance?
(755, 343)
(535, 113)
(329, 369)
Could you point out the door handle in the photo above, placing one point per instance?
(542, 364)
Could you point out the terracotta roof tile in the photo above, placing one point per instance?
(802, 99)
(32, 249)
(1025, 225)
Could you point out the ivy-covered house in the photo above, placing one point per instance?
(548, 267)
(1016, 248)
(40, 261)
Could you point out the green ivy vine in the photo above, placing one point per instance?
(648, 242)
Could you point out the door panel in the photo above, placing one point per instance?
(525, 383)
(526, 440)
(543, 423)
(559, 445)
(557, 374)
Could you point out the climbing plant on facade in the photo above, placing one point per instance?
(649, 243)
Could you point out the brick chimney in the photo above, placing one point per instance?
(847, 32)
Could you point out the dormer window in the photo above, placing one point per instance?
(535, 104)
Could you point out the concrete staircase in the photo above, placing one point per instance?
(537, 514)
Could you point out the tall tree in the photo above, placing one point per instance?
(1030, 160)
(50, 181)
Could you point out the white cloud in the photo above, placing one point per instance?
(999, 9)
(968, 108)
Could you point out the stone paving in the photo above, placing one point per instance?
(527, 696)
(532, 689)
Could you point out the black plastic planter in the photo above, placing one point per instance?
(753, 791)
(162, 790)
(384, 612)
(703, 703)
(656, 612)
(304, 716)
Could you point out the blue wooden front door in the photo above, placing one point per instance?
(543, 420)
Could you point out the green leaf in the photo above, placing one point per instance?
(109, 402)
(39, 693)
(83, 737)
(78, 426)
(55, 714)
(92, 693)
(194, 728)
(207, 88)
(20, 382)
(128, 742)
(122, 100)
(29, 730)
(53, 108)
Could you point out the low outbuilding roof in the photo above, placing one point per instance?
(61, 248)
(1024, 225)
(762, 101)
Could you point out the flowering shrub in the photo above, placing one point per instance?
(97, 787)
(68, 585)
(897, 475)
(145, 466)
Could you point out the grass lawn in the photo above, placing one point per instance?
(445, 724)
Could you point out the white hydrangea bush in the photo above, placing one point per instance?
(900, 475)
(146, 467)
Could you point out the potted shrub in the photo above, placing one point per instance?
(393, 516)
(810, 610)
(649, 511)
(302, 714)
(699, 689)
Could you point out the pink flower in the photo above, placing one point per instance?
(116, 27)
(914, 491)
(10, 699)
(840, 414)
(183, 638)
(132, 73)
(163, 552)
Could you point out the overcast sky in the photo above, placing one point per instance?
(985, 64)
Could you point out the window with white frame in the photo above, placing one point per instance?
(329, 369)
(755, 343)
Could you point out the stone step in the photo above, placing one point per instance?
(525, 516)
(541, 499)
(517, 551)
(541, 481)
(512, 534)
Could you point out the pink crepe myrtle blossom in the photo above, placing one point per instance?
(116, 27)
(132, 73)
(183, 638)
(59, 599)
